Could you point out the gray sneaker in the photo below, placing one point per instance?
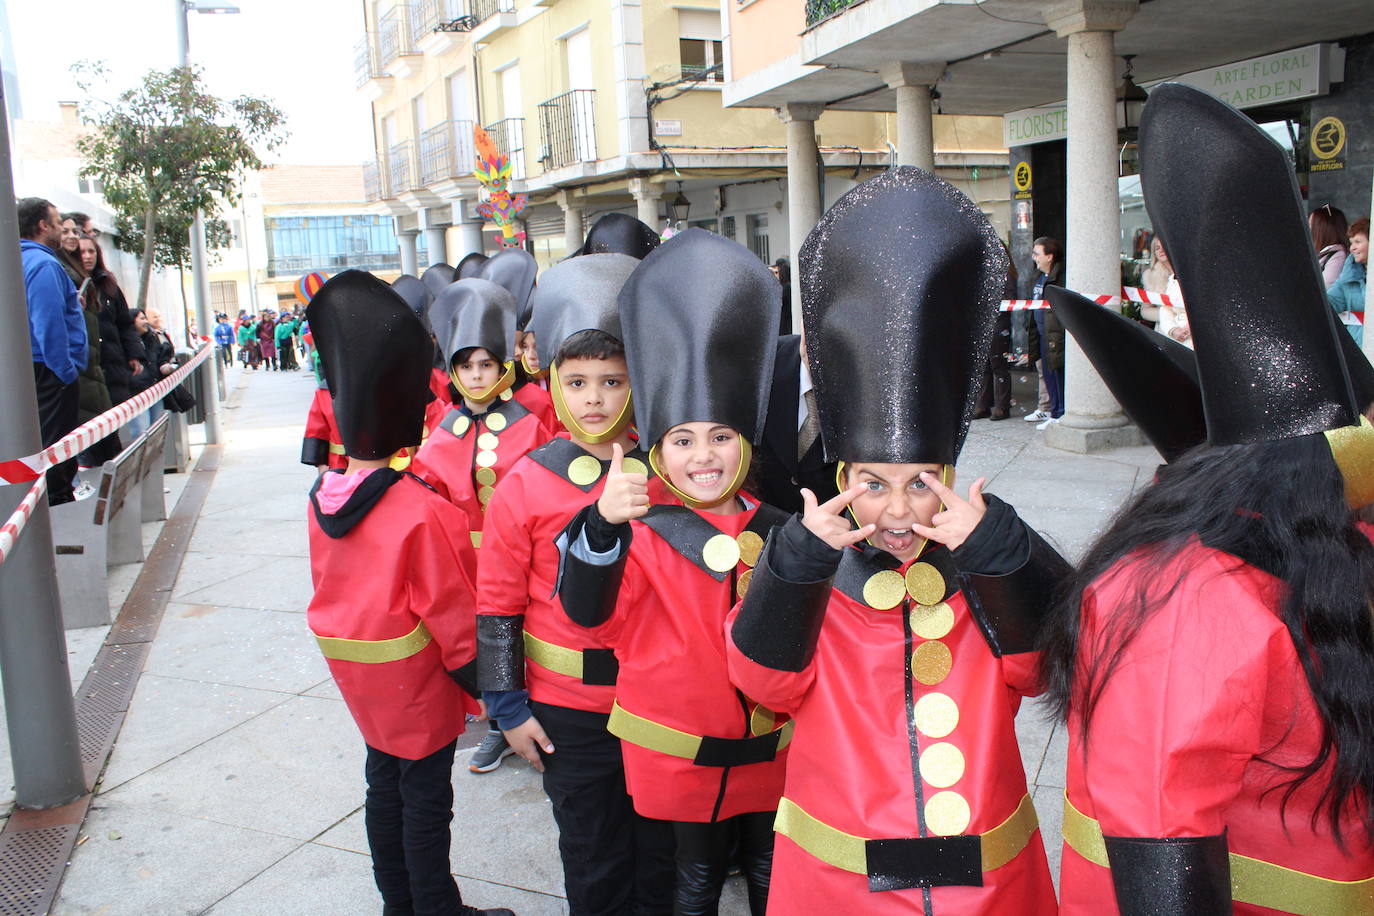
(490, 753)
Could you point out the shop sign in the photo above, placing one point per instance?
(667, 128)
(1328, 144)
(1297, 74)
(1021, 179)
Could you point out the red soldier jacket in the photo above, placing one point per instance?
(905, 791)
(322, 444)
(1182, 772)
(394, 608)
(695, 747)
(439, 385)
(524, 639)
(465, 457)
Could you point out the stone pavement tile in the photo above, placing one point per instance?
(325, 689)
(243, 647)
(246, 536)
(201, 570)
(280, 583)
(293, 771)
(1033, 734)
(169, 716)
(1049, 807)
(1054, 769)
(320, 881)
(140, 860)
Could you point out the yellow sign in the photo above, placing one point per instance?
(1022, 176)
(1328, 138)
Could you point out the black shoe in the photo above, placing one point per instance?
(1000, 416)
(473, 911)
(980, 416)
(490, 753)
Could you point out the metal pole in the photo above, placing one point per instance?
(44, 747)
(199, 280)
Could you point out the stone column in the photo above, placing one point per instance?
(436, 238)
(406, 239)
(911, 81)
(573, 233)
(803, 186)
(1092, 420)
(646, 197)
(470, 225)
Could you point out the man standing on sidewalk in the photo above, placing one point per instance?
(57, 334)
(224, 340)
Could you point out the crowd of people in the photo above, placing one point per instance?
(720, 588)
(271, 340)
(90, 350)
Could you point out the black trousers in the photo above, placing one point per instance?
(614, 861)
(407, 814)
(58, 405)
(995, 395)
(704, 854)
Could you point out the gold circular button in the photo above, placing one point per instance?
(742, 585)
(584, 470)
(762, 721)
(485, 476)
(947, 814)
(461, 425)
(495, 422)
(634, 466)
(486, 459)
(884, 590)
(488, 442)
(936, 715)
(931, 661)
(721, 553)
(506, 395)
(925, 584)
(484, 495)
(932, 621)
(750, 546)
(942, 765)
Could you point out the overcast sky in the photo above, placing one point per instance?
(299, 53)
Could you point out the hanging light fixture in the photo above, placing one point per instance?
(1130, 102)
(680, 206)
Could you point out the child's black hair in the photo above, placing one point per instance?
(589, 344)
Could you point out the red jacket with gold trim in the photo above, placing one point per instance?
(387, 555)
(905, 733)
(1206, 707)
(322, 432)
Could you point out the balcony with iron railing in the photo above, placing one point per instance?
(395, 36)
(482, 10)
(373, 187)
(508, 137)
(400, 168)
(568, 127)
(365, 62)
(816, 10)
(446, 151)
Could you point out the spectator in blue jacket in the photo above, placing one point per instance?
(57, 334)
(1347, 293)
(224, 340)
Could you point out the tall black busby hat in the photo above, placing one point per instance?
(515, 269)
(474, 313)
(616, 233)
(699, 318)
(901, 282)
(437, 276)
(415, 293)
(1153, 377)
(578, 294)
(1224, 200)
(376, 357)
(1361, 372)
(471, 263)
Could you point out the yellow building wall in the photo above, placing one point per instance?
(764, 32)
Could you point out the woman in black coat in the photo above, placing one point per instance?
(121, 348)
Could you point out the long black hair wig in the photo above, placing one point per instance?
(1281, 507)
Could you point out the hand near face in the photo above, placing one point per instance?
(828, 522)
(952, 525)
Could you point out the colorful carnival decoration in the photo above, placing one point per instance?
(501, 207)
(308, 285)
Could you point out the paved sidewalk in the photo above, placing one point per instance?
(236, 784)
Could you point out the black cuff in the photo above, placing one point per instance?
(780, 621)
(466, 677)
(1011, 608)
(1178, 876)
(801, 556)
(314, 452)
(601, 534)
(588, 591)
(997, 545)
(500, 652)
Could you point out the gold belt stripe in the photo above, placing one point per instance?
(651, 735)
(558, 659)
(375, 651)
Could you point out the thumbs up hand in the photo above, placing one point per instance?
(625, 496)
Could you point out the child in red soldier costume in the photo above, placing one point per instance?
(419, 295)
(1215, 652)
(514, 269)
(548, 682)
(482, 438)
(902, 645)
(393, 609)
(697, 316)
(321, 446)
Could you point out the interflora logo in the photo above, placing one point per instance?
(1328, 138)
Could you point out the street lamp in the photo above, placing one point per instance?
(1130, 102)
(680, 206)
(198, 278)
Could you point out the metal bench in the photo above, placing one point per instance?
(88, 539)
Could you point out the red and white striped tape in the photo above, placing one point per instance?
(1023, 305)
(9, 532)
(30, 468)
(1135, 294)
